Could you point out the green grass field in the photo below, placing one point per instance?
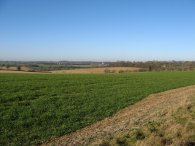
(36, 107)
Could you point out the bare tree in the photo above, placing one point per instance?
(18, 68)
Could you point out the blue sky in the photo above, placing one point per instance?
(99, 30)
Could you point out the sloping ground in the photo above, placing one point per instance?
(166, 118)
(100, 70)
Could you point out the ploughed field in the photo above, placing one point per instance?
(37, 107)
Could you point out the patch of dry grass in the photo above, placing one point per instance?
(177, 129)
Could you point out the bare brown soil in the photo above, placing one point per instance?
(23, 69)
(14, 68)
(165, 118)
(22, 72)
(74, 71)
(12, 71)
(98, 70)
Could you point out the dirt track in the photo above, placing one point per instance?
(150, 108)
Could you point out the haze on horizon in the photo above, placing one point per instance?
(97, 30)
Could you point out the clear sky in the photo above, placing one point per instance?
(99, 30)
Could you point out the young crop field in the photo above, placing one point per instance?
(36, 107)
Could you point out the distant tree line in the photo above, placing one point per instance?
(157, 65)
